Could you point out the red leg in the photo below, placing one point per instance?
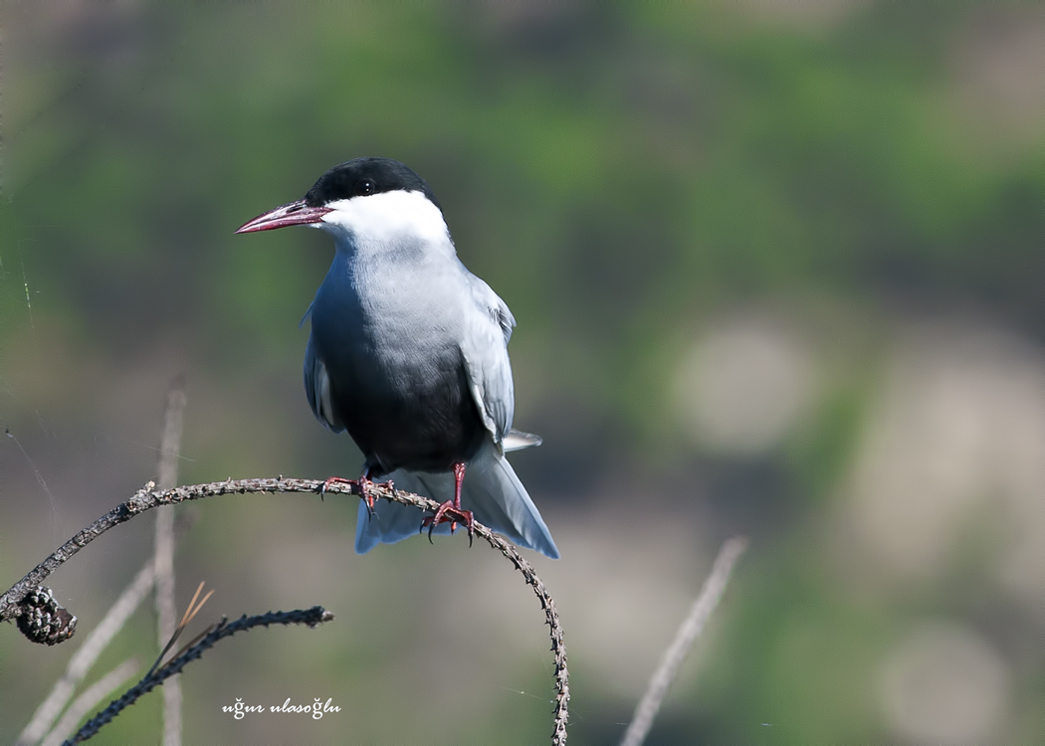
(450, 511)
(458, 479)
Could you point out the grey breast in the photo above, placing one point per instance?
(388, 338)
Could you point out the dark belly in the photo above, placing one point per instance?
(422, 419)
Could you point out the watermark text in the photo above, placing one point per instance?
(317, 709)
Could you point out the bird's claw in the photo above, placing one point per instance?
(370, 500)
(329, 482)
(362, 484)
(447, 513)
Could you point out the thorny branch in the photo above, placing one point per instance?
(311, 617)
(11, 602)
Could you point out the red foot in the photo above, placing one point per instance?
(360, 484)
(450, 511)
(447, 513)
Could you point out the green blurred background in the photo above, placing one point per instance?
(778, 270)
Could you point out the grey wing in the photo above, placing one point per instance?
(487, 330)
(317, 389)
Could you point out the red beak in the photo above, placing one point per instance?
(296, 213)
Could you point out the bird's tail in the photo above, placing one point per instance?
(491, 490)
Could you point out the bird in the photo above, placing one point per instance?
(408, 352)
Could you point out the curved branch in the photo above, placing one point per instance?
(11, 602)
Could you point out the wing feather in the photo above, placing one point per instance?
(317, 389)
(485, 351)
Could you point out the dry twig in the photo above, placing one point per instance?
(85, 657)
(311, 617)
(190, 611)
(160, 566)
(167, 478)
(89, 700)
(687, 634)
(145, 499)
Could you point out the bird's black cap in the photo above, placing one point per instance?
(364, 176)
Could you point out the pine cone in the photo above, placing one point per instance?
(42, 620)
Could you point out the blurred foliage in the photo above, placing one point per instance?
(621, 173)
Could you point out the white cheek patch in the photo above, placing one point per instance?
(387, 216)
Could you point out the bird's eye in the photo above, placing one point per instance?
(367, 187)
